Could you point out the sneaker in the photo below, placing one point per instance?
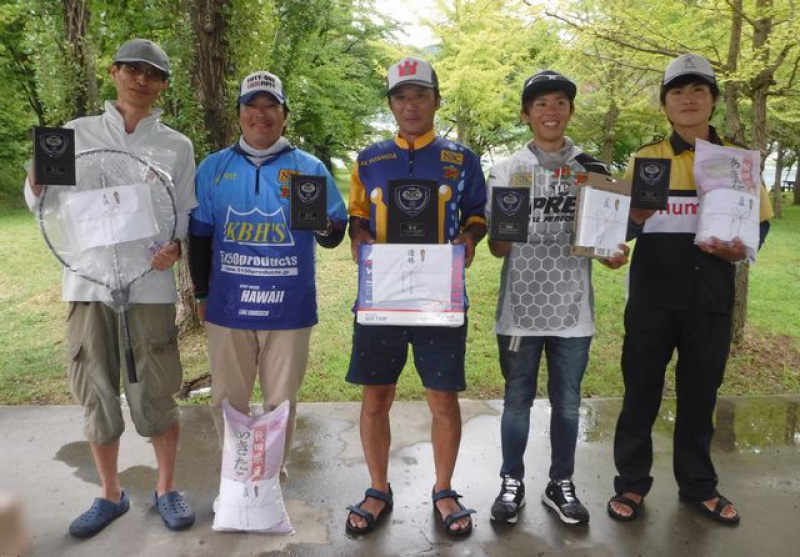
(560, 496)
(510, 501)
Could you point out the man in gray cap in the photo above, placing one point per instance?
(131, 123)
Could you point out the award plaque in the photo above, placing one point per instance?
(54, 156)
(511, 209)
(412, 212)
(650, 187)
(308, 203)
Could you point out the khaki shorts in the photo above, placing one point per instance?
(96, 364)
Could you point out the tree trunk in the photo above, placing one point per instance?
(760, 88)
(79, 58)
(211, 68)
(608, 139)
(187, 307)
(776, 184)
(733, 120)
(797, 177)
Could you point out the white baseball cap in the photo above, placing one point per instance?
(261, 82)
(411, 71)
(689, 64)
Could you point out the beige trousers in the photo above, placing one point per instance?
(278, 358)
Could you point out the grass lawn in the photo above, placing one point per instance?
(32, 360)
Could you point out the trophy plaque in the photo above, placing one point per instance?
(54, 156)
(511, 209)
(308, 203)
(650, 187)
(412, 212)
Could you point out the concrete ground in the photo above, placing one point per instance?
(46, 462)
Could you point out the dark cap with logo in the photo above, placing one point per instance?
(547, 81)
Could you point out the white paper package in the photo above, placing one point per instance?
(250, 495)
(728, 187)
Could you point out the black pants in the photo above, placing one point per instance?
(703, 341)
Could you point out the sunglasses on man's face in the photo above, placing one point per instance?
(149, 72)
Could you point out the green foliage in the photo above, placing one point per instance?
(32, 364)
(487, 49)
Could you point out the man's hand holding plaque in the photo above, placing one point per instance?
(308, 203)
(54, 156)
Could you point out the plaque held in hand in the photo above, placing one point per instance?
(511, 208)
(412, 212)
(54, 156)
(650, 186)
(308, 201)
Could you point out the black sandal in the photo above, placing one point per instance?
(628, 502)
(447, 521)
(716, 512)
(372, 521)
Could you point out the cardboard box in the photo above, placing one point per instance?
(601, 215)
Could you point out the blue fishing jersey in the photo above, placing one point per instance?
(262, 275)
(457, 170)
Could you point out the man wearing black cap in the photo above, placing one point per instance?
(380, 351)
(131, 124)
(545, 300)
(680, 298)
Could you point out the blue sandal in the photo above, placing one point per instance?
(447, 521)
(174, 510)
(100, 514)
(372, 521)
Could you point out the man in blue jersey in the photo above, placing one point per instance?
(380, 351)
(253, 276)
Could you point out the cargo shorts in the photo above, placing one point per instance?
(97, 363)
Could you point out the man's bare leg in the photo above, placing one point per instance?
(105, 461)
(166, 449)
(376, 439)
(446, 439)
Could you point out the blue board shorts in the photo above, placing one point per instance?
(380, 353)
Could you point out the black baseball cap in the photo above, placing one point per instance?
(547, 81)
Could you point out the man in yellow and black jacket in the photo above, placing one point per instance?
(681, 297)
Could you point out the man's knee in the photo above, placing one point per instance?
(377, 400)
(443, 404)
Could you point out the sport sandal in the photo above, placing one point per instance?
(447, 521)
(372, 521)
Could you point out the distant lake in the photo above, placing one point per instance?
(769, 174)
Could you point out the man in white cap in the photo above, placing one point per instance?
(680, 298)
(131, 123)
(380, 351)
(254, 277)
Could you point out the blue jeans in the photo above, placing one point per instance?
(566, 363)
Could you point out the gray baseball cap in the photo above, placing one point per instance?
(142, 50)
(690, 64)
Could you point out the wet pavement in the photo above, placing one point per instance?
(46, 462)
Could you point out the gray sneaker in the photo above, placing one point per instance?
(510, 500)
(560, 496)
